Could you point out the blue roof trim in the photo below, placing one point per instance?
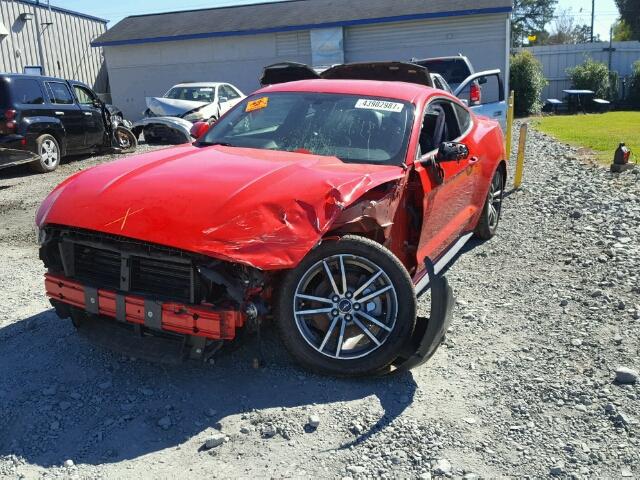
(291, 28)
(40, 4)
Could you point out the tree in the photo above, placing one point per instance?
(530, 17)
(621, 31)
(630, 15)
(565, 30)
(527, 81)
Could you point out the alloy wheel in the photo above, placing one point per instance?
(494, 200)
(49, 153)
(345, 306)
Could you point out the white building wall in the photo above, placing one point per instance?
(66, 43)
(149, 70)
(482, 38)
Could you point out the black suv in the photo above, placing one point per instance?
(42, 119)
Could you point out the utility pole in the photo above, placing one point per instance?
(36, 20)
(593, 14)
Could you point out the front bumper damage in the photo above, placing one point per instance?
(172, 130)
(202, 321)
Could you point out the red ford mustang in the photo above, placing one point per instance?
(329, 205)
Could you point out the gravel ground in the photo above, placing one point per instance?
(524, 386)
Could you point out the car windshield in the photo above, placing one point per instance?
(454, 70)
(354, 128)
(195, 94)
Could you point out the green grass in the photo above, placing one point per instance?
(598, 132)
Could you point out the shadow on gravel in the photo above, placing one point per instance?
(62, 398)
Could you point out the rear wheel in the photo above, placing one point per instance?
(348, 309)
(49, 152)
(490, 217)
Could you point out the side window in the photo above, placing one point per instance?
(464, 117)
(228, 92)
(440, 125)
(59, 93)
(27, 92)
(84, 96)
(235, 94)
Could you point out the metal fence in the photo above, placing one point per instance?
(556, 59)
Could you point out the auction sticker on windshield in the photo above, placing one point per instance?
(257, 104)
(369, 104)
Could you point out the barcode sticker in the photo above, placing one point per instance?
(384, 105)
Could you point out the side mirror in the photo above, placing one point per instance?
(199, 129)
(449, 151)
(223, 99)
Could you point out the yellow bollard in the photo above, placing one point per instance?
(509, 131)
(517, 181)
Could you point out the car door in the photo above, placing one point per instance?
(92, 115)
(448, 186)
(228, 97)
(64, 107)
(492, 101)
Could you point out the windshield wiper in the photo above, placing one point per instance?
(222, 144)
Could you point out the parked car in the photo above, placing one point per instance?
(454, 69)
(169, 118)
(42, 119)
(327, 204)
(482, 91)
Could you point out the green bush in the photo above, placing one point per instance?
(634, 85)
(527, 81)
(591, 75)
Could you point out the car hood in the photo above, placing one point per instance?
(263, 208)
(172, 107)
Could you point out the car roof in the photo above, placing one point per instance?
(408, 92)
(33, 77)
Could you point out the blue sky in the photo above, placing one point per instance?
(115, 10)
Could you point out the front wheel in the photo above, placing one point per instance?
(348, 309)
(490, 217)
(125, 140)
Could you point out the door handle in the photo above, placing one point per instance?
(87, 113)
(473, 160)
(59, 113)
(497, 114)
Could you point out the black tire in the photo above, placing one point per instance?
(125, 140)
(354, 256)
(490, 217)
(48, 148)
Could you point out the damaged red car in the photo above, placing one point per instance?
(327, 205)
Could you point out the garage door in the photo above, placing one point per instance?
(483, 38)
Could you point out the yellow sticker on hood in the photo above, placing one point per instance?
(257, 104)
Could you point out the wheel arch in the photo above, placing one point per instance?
(56, 131)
